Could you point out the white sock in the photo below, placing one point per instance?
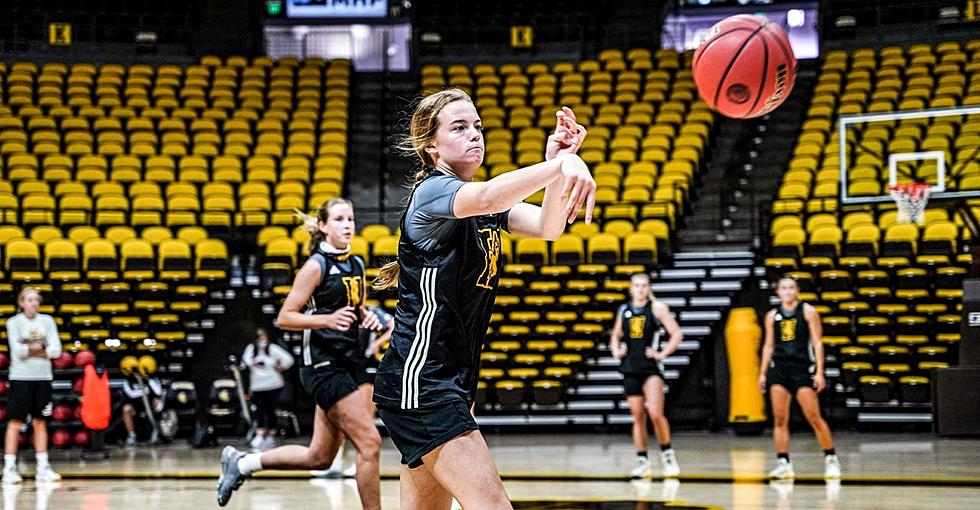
(250, 463)
(10, 461)
(338, 461)
(42, 460)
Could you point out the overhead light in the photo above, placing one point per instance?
(431, 37)
(360, 31)
(949, 13)
(845, 21)
(147, 37)
(795, 17)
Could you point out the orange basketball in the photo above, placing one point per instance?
(745, 68)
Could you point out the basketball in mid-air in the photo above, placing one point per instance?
(745, 68)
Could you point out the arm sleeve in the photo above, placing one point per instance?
(53, 349)
(17, 348)
(247, 355)
(283, 356)
(130, 391)
(156, 387)
(429, 219)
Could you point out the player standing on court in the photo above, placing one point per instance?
(643, 321)
(447, 271)
(34, 342)
(792, 365)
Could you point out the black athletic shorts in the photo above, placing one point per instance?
(29, 397)
(365, 373)
(790, 374)
(419, 431)
(633, 382)
(327, 385)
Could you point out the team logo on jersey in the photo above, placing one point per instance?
(637, 323)
(355, 289)
(787, 329)
(490, 242)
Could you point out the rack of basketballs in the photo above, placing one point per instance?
(65, 428)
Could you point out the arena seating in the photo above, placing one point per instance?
(120, 182)
(647, 137)
(890, 293)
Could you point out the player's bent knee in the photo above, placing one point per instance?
(369, 445)
(318, 460)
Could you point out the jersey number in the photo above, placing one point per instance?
(355, 287)
(787, 328)
(491, 254)
(637, 323)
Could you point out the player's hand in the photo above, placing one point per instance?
(579, 188)
(37, 349)
(341, 320)
(370, 319)
(375, 347)
(819, 382)
(619, 353)
(762, 383)
(568, 135)
(651, 354)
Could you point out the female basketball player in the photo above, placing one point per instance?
(330, 287)
(793, 366)
(34, 342)
(449, 256)
(641, 357)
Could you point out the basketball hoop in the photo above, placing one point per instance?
(911, 199)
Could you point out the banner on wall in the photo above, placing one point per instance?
(336, 8)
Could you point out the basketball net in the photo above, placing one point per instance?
(911, 199)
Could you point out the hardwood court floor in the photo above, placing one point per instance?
(719, 470)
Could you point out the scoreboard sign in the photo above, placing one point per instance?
(59, 34)
(521, 36)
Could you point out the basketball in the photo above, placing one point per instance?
(128, 365)
(63, 361)
(84, 358)
(3, 388)
(78, 385)
(61, 438)
(61, 412)
(4, 361)
(147, 365)
(82, 437)
(745, 68)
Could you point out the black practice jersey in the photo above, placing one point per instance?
(341, 284)
(446, 289)
(641, 329)
(792, 336)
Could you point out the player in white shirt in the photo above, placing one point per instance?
(34, 342)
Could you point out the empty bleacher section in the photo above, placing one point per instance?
(647, 137)
(890, 293)
(121, 185)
